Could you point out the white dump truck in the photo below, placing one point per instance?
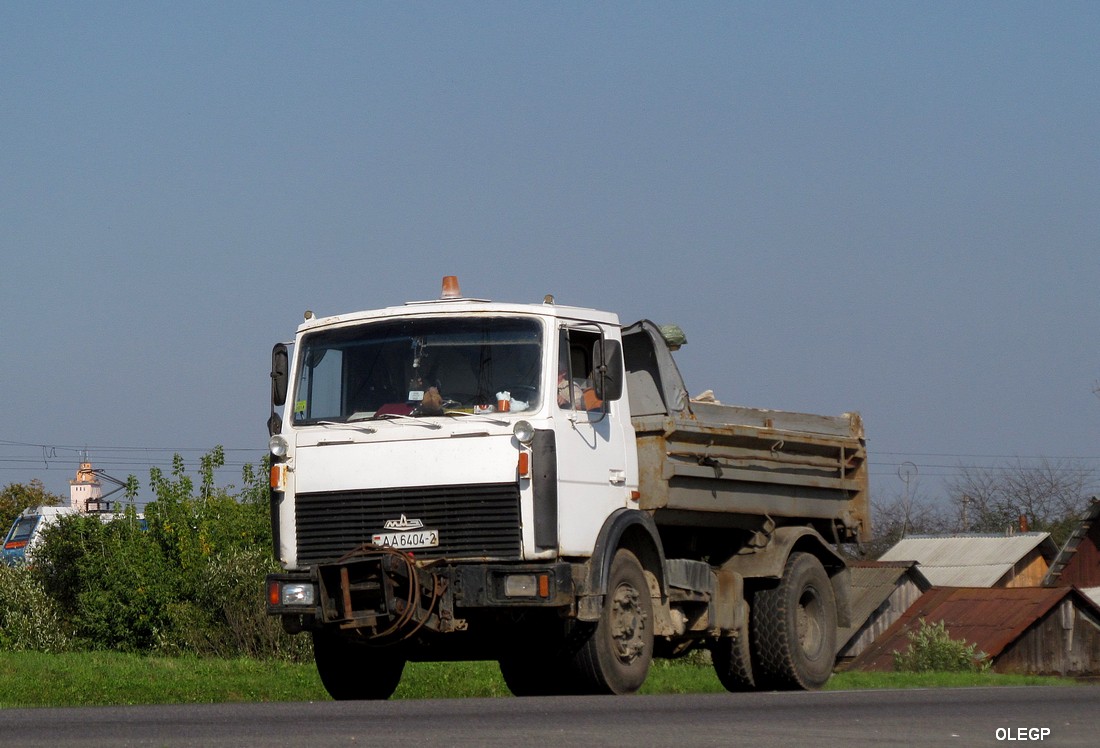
(460, 479)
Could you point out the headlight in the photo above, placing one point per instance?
(297, 594)
(284, 592)
(524, 431)
(278, 445)
(521, 585)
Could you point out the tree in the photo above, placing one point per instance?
(1050, 496)
(15, 497)
(896, 517)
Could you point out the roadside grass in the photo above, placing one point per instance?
(855, 680)
(111, 678)
(34, 679)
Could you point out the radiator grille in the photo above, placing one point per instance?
(479, 521)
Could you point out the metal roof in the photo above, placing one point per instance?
(872, 583)
(991, 618)
(970, 560)
(1092, 593)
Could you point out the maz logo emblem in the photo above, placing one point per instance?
(403, 524)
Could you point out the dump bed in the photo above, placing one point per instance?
(700, 459)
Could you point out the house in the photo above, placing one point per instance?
(1078, 563)
(881, 591)
(978, 560)
(1032, 630)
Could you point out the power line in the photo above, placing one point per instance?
(113, 448)
(986, 456)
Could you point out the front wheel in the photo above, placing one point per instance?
(535, 664)
(615, 658)
(533, 675)
(794, 627)
(351, 671)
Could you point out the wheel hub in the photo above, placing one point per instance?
(628, 621)
(809, 624)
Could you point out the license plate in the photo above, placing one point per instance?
(414, 539)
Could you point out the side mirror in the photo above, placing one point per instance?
(607, 360)
(280, 374)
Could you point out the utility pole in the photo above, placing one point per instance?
(906, 472)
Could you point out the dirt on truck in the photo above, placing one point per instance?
(462, 479)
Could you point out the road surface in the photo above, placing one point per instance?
(940, 717)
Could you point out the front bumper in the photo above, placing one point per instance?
(387, 594)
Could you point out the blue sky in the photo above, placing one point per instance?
(885, 207)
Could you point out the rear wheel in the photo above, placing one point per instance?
(615, 658)
(794, 627)
(351, 671)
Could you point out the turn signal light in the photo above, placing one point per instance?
(278, 476)
(274, 593)
(524, 465)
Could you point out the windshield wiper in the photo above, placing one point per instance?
(348, 425)
(480, 416)
(414, 419)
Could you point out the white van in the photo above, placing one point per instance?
(26, 532)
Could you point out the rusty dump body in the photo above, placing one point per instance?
(701, 462)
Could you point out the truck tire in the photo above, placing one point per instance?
(794, 627)
(534, 675)
(351, 671)
(732, 662)
(535, 665)
(615, 657)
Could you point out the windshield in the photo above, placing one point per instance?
(21, 532)
(419, 367)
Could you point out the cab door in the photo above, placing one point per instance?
(597, 463)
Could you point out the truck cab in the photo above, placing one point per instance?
(428, 428)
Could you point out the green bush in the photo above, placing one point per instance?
(29, 618)
(226, 616)
(110, 580)
(931, 649)
(190, 579)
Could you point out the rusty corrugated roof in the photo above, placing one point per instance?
(991, 618)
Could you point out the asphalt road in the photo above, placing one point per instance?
(959, 717)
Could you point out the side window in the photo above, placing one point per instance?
(320, 386)
(575, 389)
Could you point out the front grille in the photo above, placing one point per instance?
(479, 521)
